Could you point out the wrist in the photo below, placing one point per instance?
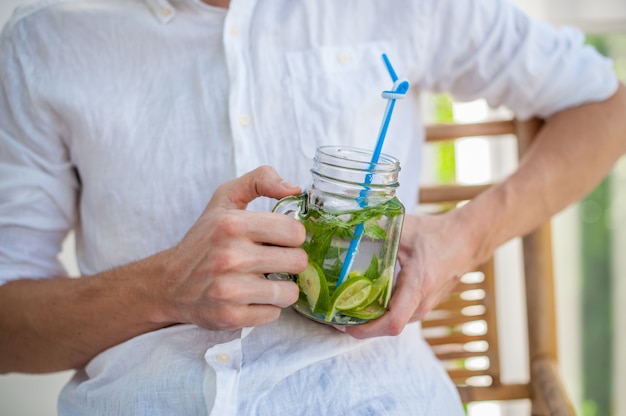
(161, 272)
(477, 225)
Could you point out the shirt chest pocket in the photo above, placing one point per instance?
(336, 95)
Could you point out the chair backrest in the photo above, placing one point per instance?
(474, 301)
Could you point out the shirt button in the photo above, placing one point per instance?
(223, 358)
(234, 30)
(165, 12)
(244, 120)
(343, 58)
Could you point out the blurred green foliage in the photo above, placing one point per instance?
(597, 276)
(446, 163)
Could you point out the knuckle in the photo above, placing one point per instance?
(261, 177)
(267, 315)
(265, 171)
(221, 290)
(225, 320)
(222, 187)
(395, 327)
(227, 261)
(229, 225)
(273, 314)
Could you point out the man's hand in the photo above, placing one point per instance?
(213, 278)
(216, 279)
(433, 255)
(571, 154)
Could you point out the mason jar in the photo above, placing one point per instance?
(353, 222)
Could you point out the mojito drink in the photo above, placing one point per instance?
(365, 290)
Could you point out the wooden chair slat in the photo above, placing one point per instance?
(454, 339)
(458, 304)
(460, 355)
(441, 132)
(452, 321)
(464, 287)
(489, 301)
(550, 387)
(464, 374)
(494, 392)
(450, 193)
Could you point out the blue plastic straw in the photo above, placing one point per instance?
(400, 87)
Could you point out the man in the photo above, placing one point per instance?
(149, 127)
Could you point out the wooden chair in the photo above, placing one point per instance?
(474, 299)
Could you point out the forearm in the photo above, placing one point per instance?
(213, 278)
(572, 153)
(61, 323)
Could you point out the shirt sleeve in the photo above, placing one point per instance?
(490, 49)
(38, 184)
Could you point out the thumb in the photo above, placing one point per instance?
(262, 181)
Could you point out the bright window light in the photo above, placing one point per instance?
(484, 409)
(475, 328)
(471, 112)
(477, 363)
(473, 160)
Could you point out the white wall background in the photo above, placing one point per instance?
(28, 395)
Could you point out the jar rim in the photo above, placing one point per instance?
(357, 158)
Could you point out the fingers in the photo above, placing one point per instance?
(433, 299)
(262, 181)
(259, 227)
(260, 259)
(278, 293)
(275, 229)
(412, 300)
(248, 300)
(279, 260)
(225, 254)
(252, 289)
(233, 301)
(400, 310)
(432, 259)
(247, 242)
(244, 316)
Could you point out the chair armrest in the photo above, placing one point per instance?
(547, 386)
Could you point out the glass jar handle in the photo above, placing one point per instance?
(292, 206)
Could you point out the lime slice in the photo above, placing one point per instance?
(313, 284)
(352, 293)
(372, 311)
(349, 295)
(377, 289)
(387, 275)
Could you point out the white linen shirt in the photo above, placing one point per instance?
(119, 118)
